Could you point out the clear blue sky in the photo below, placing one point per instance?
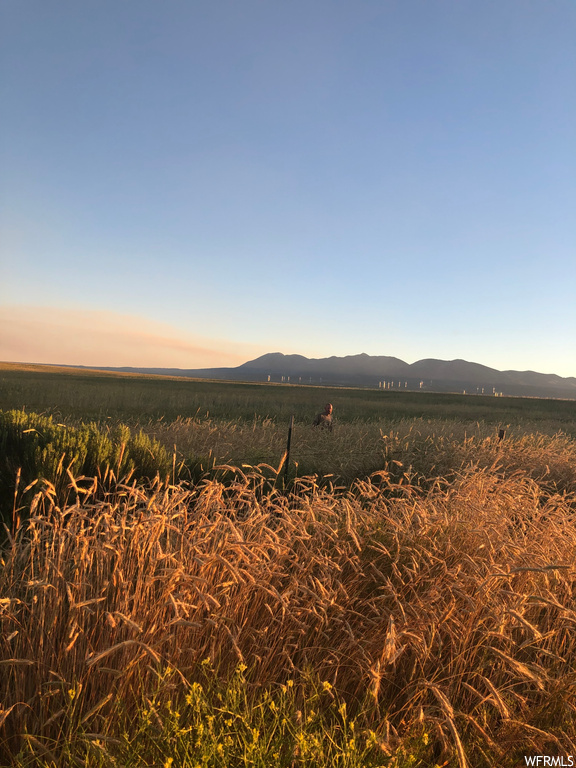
(195, 183)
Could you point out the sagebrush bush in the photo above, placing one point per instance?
(34, 447)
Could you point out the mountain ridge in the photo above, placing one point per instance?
(385, 372)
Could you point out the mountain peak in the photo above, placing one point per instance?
(428, 374)
(363, 370)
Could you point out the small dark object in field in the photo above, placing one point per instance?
(324, 419)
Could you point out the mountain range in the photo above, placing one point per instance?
(384, 372)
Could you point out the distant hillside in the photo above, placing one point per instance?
(384, 372)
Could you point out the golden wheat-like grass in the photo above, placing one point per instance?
(427, 448)
(449, 605)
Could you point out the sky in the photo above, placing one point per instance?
(194, 183)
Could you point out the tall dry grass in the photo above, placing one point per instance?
(441, 613)
(432, 448)
(427, 448)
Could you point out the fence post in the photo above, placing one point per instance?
(288, 449)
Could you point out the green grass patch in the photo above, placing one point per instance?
(218, 722)
(36, 451)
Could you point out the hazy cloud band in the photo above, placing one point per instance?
(88, 337)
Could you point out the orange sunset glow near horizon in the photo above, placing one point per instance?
(49, 335)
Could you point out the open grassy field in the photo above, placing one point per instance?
(167, 598)
(72, 394)
(215, 625)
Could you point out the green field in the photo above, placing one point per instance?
(170, 595)
(85, 421)
(73, 394)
